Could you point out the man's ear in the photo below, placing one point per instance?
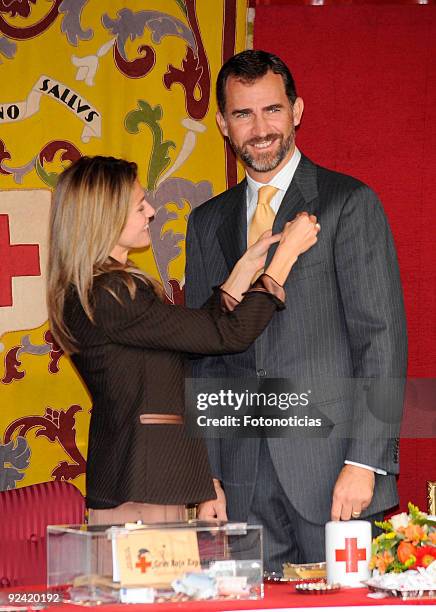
(222, 124)
(298, 108)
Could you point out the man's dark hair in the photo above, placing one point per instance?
(250, 65)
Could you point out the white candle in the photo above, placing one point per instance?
(348, 552)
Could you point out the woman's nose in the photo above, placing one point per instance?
(149, 210)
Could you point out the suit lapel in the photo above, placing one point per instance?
(301, 192)
(232, 233)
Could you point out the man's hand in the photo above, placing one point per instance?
(353, 492)
(214, 508)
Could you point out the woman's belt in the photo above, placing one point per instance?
(161, 419)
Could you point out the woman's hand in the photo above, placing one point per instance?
(254, 258)
(251, 261)
(296, 238)
(299, 234)
(214, 508)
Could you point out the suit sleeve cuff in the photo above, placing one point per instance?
(266, 284)
(227, 302)
(367, 467)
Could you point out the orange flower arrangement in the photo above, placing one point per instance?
(408, 542)
(414, 533)
(405, 550)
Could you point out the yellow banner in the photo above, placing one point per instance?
(128, 78)
(70, 99)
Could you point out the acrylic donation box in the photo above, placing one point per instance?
(155, 563)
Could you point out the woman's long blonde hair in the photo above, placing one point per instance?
(89, 210)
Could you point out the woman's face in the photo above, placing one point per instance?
(135, 234)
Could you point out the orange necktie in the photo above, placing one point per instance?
(263, 218)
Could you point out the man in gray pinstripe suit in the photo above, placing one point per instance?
(344, 318)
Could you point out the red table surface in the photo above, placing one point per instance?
(276, 596)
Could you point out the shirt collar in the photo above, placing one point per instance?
(281, 180)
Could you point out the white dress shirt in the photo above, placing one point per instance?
(281, 180)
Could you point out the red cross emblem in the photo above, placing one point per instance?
(143, 564)
(351, 555)
(16, 260)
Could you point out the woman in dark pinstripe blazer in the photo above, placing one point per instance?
(128, 345)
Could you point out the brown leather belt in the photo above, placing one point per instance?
(161, 419)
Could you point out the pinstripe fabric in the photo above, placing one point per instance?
(290, 538)
(344, 318)
(25, 514)
(132, 363)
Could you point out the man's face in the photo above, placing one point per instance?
(260, 121)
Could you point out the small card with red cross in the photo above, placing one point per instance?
(156, 557)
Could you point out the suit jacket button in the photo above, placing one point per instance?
(261, 373)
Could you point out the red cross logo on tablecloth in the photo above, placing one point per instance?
(351, 555)
(16, 260)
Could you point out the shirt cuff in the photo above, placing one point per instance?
(367, 467)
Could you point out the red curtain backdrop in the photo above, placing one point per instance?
(367, 75)
(254, 3)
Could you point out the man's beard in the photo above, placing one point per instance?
(264, 162)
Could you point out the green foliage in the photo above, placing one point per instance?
(414, 512)
(425, 521)
(385, 525)
(397, 566)
(418, 517)
(182, 6)
(159, 158)
(49, 178)
(410, 561)
(385, 543)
